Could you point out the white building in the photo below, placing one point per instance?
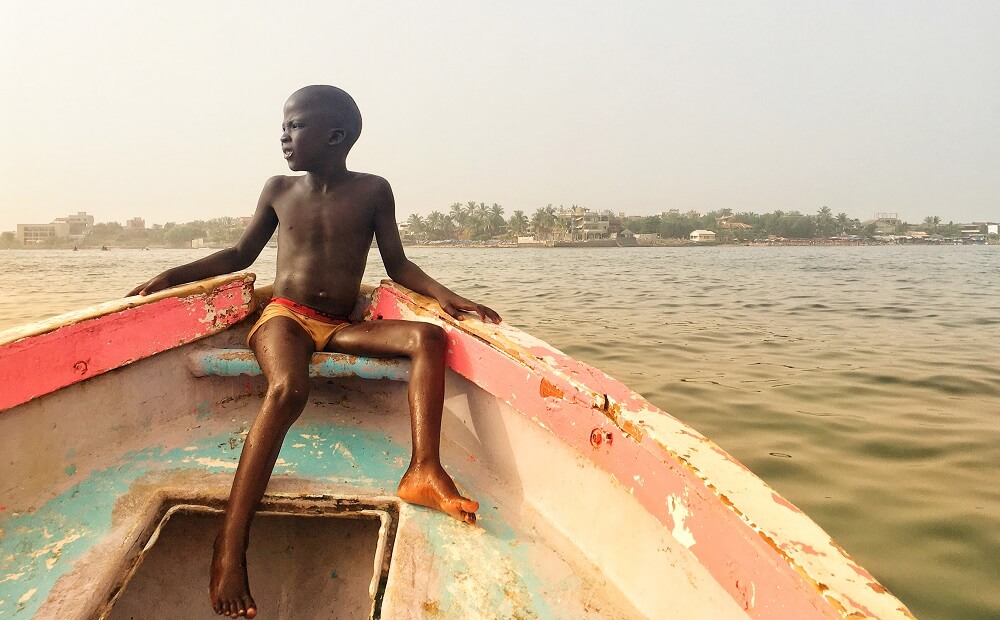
(34, 233)
(701, 236)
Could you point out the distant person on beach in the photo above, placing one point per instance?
(327, 218)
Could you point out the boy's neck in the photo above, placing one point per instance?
(331, 174)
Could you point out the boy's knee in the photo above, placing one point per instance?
(289, 392)
(428, 337)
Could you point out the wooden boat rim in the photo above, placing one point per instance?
(44, 326)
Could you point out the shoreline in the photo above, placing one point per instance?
(463, 245)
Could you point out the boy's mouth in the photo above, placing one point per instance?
(286, 153)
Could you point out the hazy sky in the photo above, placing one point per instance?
(171, 110)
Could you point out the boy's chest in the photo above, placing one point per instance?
(336, 217)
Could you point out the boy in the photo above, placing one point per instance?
(327, 219)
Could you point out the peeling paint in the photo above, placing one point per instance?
(211, 462)
(679, 512)
(90, 503)
(126, 332)
(549, 390)
(495, 357)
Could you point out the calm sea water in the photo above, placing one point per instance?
(862, 383)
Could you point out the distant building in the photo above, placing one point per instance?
(78, 224)
(579, 223)
(701, 236)
(973, 232)
(35, 233)
(885, 223)
(136, 223)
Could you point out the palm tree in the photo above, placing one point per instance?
(518, 223)
(480, 217)
(842, 221)
(494, 220)
(459, 214)
(436, 226)
(543, 220)
(825, 224)
(417, 227)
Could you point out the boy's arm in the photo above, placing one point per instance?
(240, 256)
(402, 270)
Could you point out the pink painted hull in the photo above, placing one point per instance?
(747, 547)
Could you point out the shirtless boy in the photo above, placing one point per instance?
(327, 218)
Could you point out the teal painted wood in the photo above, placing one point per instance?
(237, 362)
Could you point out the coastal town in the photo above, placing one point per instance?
(473, 224)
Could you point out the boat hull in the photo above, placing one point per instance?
(594, 502)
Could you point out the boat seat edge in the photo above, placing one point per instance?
(241, 362)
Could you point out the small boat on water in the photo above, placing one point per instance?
(120, 430)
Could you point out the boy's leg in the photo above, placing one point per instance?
(425, 481)
(283, 350)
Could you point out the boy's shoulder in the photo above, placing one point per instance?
(279, 184)
(361, 188)
(370, 181)
(365, 180)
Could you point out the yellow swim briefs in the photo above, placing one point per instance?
(320, 327)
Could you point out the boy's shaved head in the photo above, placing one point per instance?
(344, 112)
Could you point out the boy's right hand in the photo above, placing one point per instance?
(157, 284)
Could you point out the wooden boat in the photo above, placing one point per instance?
(120, 429)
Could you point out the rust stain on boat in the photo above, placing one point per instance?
(548, 389)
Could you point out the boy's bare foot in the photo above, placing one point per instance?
(430, 486)
(229, 587)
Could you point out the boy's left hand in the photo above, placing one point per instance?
(457, 306)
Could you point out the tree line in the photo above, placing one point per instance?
(220, 230)
(478, 222)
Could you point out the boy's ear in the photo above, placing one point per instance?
(337, 136)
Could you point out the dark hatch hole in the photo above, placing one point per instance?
(318, 562)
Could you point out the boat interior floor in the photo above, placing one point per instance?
(555, 537)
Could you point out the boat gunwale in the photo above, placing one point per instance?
(627, 424)
(44, 326)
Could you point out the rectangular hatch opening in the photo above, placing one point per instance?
(316, 558)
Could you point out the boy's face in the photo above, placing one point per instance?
(306, 135)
